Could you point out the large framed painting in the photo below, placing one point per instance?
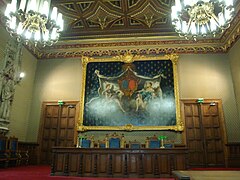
(130, 92)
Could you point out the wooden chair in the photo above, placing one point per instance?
(101, 144)
(114, 141)
(3, 151)
(152, 142)
(13, 158)
(134, 145)
(86, 142)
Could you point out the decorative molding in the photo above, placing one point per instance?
(115, 51)
(141, 43)
(127, 57)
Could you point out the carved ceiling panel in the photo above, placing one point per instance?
(109, 18)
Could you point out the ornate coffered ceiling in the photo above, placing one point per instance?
(91, 19)
(113, 27)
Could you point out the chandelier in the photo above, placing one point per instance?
(201, 18)
(30, 21)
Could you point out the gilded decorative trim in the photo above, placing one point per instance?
(73, 49)
(140, 51)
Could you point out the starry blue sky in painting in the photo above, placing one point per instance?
(144, 68)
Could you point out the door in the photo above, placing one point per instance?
(205, 132)
(58, 127)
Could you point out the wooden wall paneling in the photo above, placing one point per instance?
(164, 164)
(102, 165)
(73, 164)
(234, 155)
(31, 148)
(118, 164)
(205, 132)
(133, 163)
(193, 133)
(213, 134)
(59, 163)
(148, 164)
(67, 126)
(57, 127)
(49, 131)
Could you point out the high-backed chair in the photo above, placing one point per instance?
(134, 144)
(86, 143)
(153, 142)
(14, 157)
(101, 144)
(3, 151)
(114, 141)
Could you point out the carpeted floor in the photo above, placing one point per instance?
(43, 173)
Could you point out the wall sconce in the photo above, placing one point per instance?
(21, 76)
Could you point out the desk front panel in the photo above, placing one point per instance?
(93, 162)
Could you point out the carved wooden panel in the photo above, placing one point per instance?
(233, 154)
(118, 162)
(57, 127)
(205, 132)
(109, 18)
(102, 164)
(133, 167)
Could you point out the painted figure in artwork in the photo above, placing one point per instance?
(108, 92)
(113, 95)
(139, 102)
(129, 98)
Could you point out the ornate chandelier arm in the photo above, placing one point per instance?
(189, 24)
(205, 17)
(216, 19)
(29, 21)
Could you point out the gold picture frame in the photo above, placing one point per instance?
(128, 59)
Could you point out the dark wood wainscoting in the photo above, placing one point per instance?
(233, 155)
(97, 162)
(205, 132)
(31, 150)
(57, 127)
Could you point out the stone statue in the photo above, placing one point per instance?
(7, 90)
(9, 77)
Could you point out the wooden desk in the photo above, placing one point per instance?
(95, 162)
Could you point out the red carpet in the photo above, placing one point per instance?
(43, 173)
